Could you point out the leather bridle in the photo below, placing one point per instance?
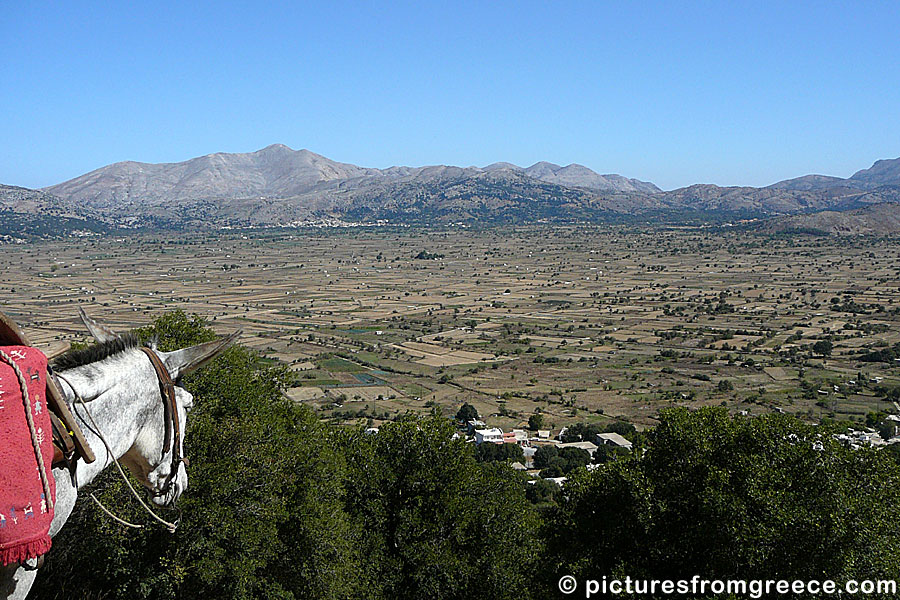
(172, 436)
(170, 416)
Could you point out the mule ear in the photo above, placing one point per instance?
(187, 360)
(101, 332)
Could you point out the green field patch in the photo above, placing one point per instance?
(337, 364)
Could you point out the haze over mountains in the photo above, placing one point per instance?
(877, 219)
(279, 172)
(883, 172)
(278, 186)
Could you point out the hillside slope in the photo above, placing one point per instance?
(878, 219)
(278, 186)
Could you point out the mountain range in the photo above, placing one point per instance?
(278, 186)
(877, 219)
(276, 171)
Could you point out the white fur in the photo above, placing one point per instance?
(124, 399)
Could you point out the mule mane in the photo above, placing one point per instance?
(96, 352)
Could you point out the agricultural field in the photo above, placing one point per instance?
(577, 323)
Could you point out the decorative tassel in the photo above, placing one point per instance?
(23, 551)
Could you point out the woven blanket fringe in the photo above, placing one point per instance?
(23, 551)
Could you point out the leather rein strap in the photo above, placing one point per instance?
(170, 415)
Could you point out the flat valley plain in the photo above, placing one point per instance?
(581, 324)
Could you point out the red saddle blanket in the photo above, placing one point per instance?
(25, 514)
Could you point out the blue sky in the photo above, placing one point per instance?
(676, 93)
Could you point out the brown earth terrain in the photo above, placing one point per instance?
(579, 323)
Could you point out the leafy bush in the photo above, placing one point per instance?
(732, 498)
(280, 505)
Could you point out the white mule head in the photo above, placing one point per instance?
(152, 462)
(157, 457)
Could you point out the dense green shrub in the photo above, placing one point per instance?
(280, 505)
(736, 498)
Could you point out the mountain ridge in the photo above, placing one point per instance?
(876, 219)
(278, 186)
(278, 171)
(883, 172)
